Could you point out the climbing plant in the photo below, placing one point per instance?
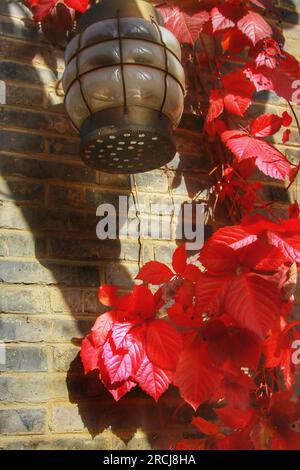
(219, 328)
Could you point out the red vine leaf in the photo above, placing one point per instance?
(155, 272)
(218, 257)
(219, 20)
(102, 328)
(286, 136)
(282, 80)
(254, 27)
(216, 105)
(265, 125)
(235, 389)
(233, 41)
(196, 377)
(286, 119)
(119, 333)
(163, 344)
(210, 293)
(233, 417)
(89, 354)
(118, 391)
(121, 364)
(141, 303)
(289, 244)
(235, 236)
(268, 159)
(179, 259)
(41, 8)
(78, 5)
(253, 302)
(236, 104)
(152, 379)
(186, 25)
(236, 346)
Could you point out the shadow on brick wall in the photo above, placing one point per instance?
(55, 198)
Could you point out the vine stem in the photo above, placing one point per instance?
(298, 127)
(295, 116)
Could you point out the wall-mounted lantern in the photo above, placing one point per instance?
(124, 87)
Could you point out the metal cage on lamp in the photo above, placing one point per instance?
(124, 87)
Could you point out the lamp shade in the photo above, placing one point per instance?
(124, 87)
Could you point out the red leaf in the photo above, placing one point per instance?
(186, 25)
(155, 272)
(253, 302)
(196, 377)
(102, 328)
(236, 83)
(286, 119)
(237, 345)
(254, 27)
(163, 344)
(118, 391)
(119, 332)
(184, 294)
(210, 429)
(286, 136)
(89, 354)
(265, 125)
(234, 237)
(166, 11)
(141, 303)
(41, 8)
(238, 92)
(219, 20)
(191, 273)
(121, 364)
(281, 79)
(218, 258)
(78, 5)
(179, 259)
(107, 295)
(182, 317)
(233, 417)
(284, 421)
(268, 159)
(265, 59)
(216, 105)
(236, 104)
(288, 244)
(210, 293)
(294, 210)
(235, 389)
(59, 20)
(259, 78)
(152, 379)
(262, 256)
(259, 224)
(234, 41)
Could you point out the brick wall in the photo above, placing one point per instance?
(51, 261)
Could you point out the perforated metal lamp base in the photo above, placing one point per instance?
(127, 141)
